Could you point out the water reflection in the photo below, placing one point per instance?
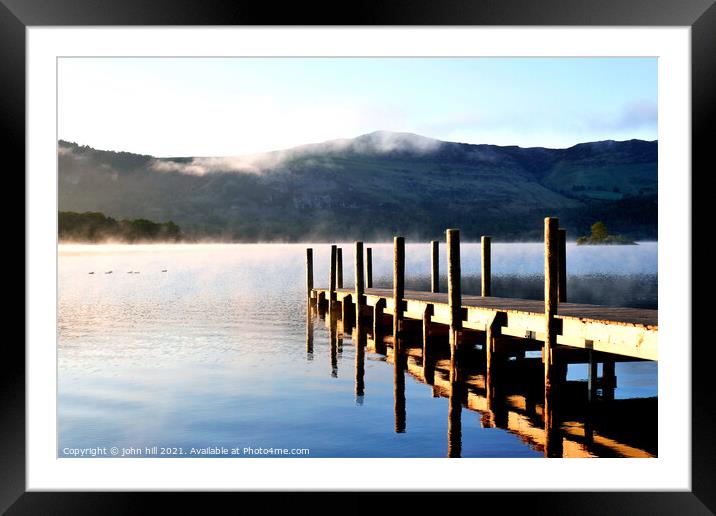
(577, 419)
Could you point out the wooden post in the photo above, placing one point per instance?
(398, 283)
(378, 324)
(339, 267)
(369, 268)
(592, 378)
(609, 380)
(454, 293)
(360, 286)
(562, 266)
(332, 281)
(309, 274)
(551, 271)
(428, 365)
(492, 332)
(345, 310)
(435, 266)
(486, 266)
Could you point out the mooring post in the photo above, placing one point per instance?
(551, 271)
(398, 284)
(309, 274)
(486, 258)
(454, 293)
(339, 267)
(369, 267)
(332, 281)
(435, 266)
(562, 266)
(360, 286)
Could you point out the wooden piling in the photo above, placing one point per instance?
(332, 281)
(551, 271)
(339, 267)
(398, 283)
(562, 266)
(486, 259)
(435, 266)
(359, 281)
(346, 311)
(309, 274)
(428, 362)
(491, 334)
(609, 380)
(592, 378)
(369, 268)
(378, 323)
(454, 292)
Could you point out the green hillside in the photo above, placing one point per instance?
(372, 187)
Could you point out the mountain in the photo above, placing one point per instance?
(372, 187)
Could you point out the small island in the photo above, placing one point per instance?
(96, 227)
(600, 236)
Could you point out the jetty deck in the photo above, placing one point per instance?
(629, 332)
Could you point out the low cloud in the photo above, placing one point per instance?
(379, 142)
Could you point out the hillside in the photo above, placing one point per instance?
(371, 187)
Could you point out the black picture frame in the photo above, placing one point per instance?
(700, 15)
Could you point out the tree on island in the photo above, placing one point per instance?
(600, 236)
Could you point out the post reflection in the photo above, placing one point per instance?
(309, 333)
(333, 338)
(399, 366)
(455, 401)
(554, 445)
(360, 337)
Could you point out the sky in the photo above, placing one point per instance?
(170, 107)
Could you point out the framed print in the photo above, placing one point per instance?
(297, 251)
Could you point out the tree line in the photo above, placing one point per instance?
(97, 227)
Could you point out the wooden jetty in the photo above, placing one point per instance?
(628, 332)
(498, 328)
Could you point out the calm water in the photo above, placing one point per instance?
(213, 353)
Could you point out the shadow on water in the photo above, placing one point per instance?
(582, 419)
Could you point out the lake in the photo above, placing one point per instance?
(204, 347)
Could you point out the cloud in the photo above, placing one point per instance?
(638, 114)
(379, 142)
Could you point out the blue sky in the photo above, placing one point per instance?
(232, 106)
